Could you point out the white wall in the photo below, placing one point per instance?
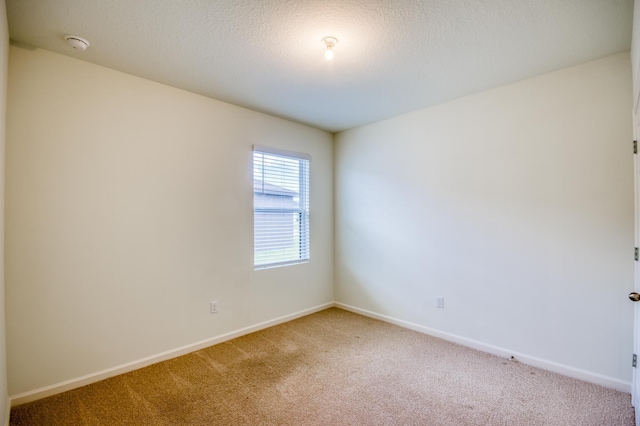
(4, 64)
(515, 204)
(129, 208)
(635, 50)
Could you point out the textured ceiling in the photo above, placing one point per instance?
(393, 56)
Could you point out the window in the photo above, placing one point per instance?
(280, 207)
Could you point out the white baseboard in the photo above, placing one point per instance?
(609, 382)
(57, 388)
(576, 373)
(7, 413)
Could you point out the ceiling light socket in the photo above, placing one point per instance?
(77, 42)
(329, 42)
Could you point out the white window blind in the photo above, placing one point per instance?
(280, 207)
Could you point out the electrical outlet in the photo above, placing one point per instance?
(440, 302)
(214, 307)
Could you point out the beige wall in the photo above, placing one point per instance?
(515, 205)
(4, 64)
(129, 209)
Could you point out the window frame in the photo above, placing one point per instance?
(303, 210)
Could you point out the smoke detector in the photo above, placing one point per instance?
(77, 42)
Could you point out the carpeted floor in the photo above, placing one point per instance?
(334, 368)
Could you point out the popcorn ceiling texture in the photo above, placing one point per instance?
(393, 56)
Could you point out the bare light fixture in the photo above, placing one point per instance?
(329, 42)
(77, 42)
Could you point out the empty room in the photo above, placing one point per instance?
(319, 212)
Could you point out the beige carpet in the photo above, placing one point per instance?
(334, 368)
